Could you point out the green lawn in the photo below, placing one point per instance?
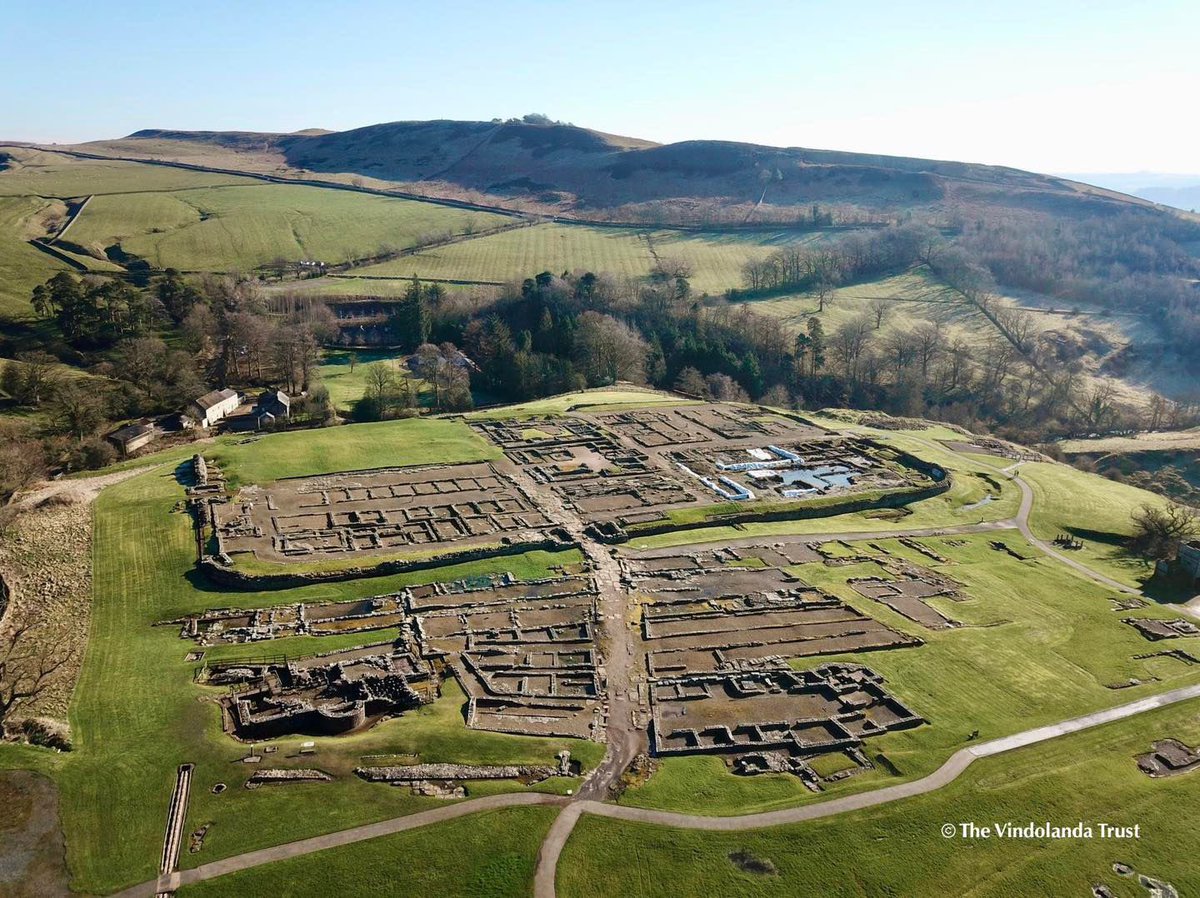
(1096, 510)
(1039, 644)
(599, 401)
(412, 441)
(137, 715)
(346, 387)
(486, 855)
(898, 850)
(243, 227)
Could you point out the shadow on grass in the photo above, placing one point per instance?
(1168, 590)
(185, 474)
(1104, 537)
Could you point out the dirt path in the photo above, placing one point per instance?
(624, 736)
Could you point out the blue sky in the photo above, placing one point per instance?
(1055, 85)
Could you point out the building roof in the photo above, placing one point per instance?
(275, 396)
(130, 432)
(208, 400)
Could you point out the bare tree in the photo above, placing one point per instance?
(1159, 529)
(690, 382)
(37, 377)
(927, 342)
(380, 381)
(879, 310)
(609, 350)
(848, 344)
(27, 663)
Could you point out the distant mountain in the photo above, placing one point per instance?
(1180, 191)
(568, 168)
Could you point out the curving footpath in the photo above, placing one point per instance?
(947, 773)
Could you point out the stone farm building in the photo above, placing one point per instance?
(273, 407)
(212, 407)
(132, 437)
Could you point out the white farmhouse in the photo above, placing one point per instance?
(212, 407)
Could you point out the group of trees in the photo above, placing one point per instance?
(93, 314)
(147, 351)
(1136, 262)
(393, 392)
(822, 267)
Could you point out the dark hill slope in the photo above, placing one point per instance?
(576, 168)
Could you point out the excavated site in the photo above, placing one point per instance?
(375, 511)
(631, 469)
(524, 653)
(715, 628)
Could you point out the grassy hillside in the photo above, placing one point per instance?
(38, 173)
(22, 267)
(237, 228)
(715, 259)
(570, 167)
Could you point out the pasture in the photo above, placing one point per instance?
(715, 259)
(244, 227)
(48, 174)
(23, 267)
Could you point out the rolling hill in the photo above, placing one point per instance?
(569, 169)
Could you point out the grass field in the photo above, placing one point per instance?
(137, 715)
(46, 174)
(345, 386)
(898, 850)
(1097, 511)
(243, 227)
(911, 298)
(599, 400)
(1160, 441)
(21, 266)
(487, 855)
(413, 441)
(716, 260)
(1038, 644)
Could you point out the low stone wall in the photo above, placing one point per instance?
(232, 578)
